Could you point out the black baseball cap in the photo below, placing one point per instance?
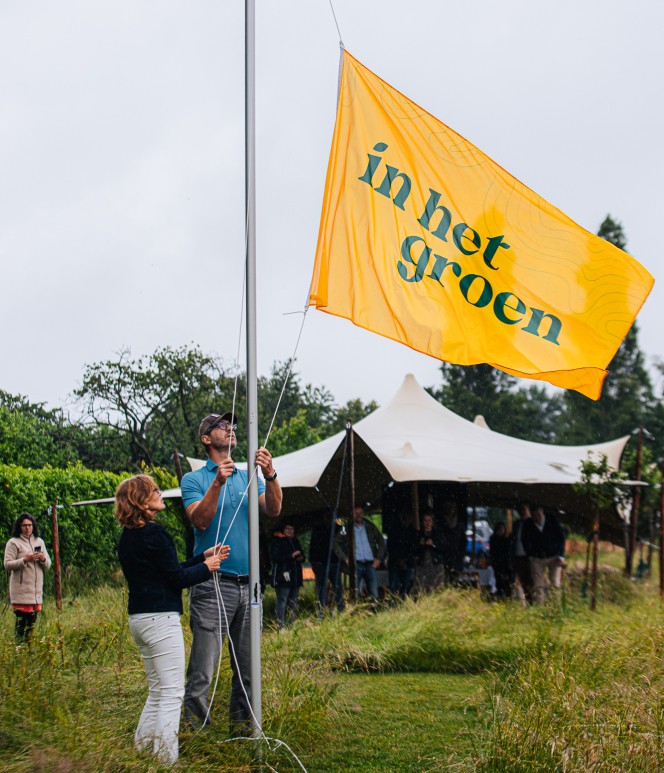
(211, 421)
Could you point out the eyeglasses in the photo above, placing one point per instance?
(27, 525)
(223, 424)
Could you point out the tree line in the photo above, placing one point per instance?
(134, 411)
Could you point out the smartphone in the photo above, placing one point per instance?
(37, 548)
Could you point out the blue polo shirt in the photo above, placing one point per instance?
(194, 486)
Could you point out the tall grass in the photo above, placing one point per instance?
(589, 699)
(564, 689)
(71, 701)
(451, 631)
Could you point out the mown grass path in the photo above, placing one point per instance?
(403, 722)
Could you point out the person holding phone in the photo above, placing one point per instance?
(26, 559)
(156, 578)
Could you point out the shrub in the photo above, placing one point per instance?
(88, 534)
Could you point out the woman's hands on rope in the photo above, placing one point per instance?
(215, 555)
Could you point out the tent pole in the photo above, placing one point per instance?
(352, 567)
(474, 532)
(255, 613)
(416, 504)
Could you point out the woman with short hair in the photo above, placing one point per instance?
(26, 560)
(156, 578)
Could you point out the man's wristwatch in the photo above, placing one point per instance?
(271, 477)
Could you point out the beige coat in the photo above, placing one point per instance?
(26, 580)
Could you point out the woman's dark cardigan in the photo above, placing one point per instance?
(154, 574)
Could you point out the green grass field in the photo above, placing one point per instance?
(447, 683)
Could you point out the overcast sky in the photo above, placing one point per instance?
(122, 166)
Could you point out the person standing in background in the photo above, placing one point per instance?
(544, 542)
(287, 557)
(320, 556)
(523, 585)
(430, 555)
(369, 552)
(499, 555)
(26, 560)
(402, 548)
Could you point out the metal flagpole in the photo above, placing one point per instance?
(252, 394)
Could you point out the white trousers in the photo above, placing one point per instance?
(159, 638)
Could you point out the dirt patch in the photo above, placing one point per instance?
(575, 547)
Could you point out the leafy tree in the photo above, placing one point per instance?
(299, 431)
(156, 402)
(317, 403)
(100, 447)
(473, 389)
(602, 484)
(354, 410)
(32, 436)
(627, 397)
(293, 434)
(529, 412)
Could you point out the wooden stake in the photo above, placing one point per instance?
(593, 577)
(178, 466)
(661, 535)
(57, 578)
(636, 501)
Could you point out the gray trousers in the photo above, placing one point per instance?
(208, 625)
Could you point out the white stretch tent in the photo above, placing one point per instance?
(415, 438)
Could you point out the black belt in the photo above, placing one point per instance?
(238, 579)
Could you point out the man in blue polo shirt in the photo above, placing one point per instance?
(216, 503)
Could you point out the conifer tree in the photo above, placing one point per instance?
(627, 397)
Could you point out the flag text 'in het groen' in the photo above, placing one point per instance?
(427, 241)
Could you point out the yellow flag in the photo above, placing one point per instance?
(427, 241)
